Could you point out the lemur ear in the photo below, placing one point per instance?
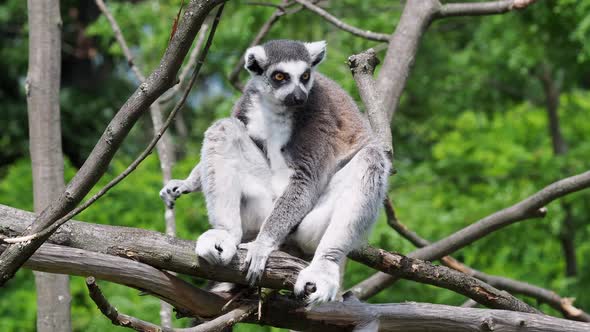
(317, 51)
(255, 60)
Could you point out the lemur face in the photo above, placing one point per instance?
(282, 70)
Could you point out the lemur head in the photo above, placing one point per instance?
(282, 70)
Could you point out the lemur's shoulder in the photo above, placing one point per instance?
(336, 113)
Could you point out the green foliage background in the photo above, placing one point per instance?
(471, 134)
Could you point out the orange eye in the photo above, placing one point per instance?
(279, 77)
(305, 76)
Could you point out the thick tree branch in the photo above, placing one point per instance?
(407, 317)
(362, 66)
(277, 310)
(188, 299)
(425, 272)
(177, 255)
(531, 207)
(343, 26)
(96, 164)
(401, 52)
(190, 65)
(481, 8)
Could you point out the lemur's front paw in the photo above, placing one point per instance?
(320, 282)
(216, 246)
(172, 190)
(256, 258)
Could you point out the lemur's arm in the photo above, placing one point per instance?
(300, 196)
(174, 188)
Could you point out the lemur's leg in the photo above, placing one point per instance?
(356, 192)
(234, 173)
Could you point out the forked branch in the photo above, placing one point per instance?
(531, 207)
(565, 305)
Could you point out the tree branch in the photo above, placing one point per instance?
(218, 324)
(96, 164)
(481, 8)
(362, 66)
(531, 207)
(188, 299)
(277, 310)
(407, 317)
(191, 63)
(164, 146)
(565, 305)
(113, 314)
(343, 26)
(177, 255)
(428, 273)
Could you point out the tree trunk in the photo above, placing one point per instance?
(568, 230)
(166, 155)
(43, 81)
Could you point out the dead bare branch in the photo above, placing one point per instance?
(531, 207)
(277, 310)
(217, 324)
(425, 272)
(481, 8)
(362, 66)
(565, 305)
(188, 299)
(113, 314)
(176, 255)
(191, 63)
(375, 36)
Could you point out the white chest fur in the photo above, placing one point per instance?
(274, 128)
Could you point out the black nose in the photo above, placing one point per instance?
(296, 98)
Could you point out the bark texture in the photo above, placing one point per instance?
(282, 311)
(43, 84)
(177, 255)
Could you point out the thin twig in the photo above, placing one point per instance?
(113, 314)
(141, 157)
(381, 37)
(481, 8)
(120, 39)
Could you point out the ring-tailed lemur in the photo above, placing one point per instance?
(296, 164)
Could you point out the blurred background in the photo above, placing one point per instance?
(472, 134)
